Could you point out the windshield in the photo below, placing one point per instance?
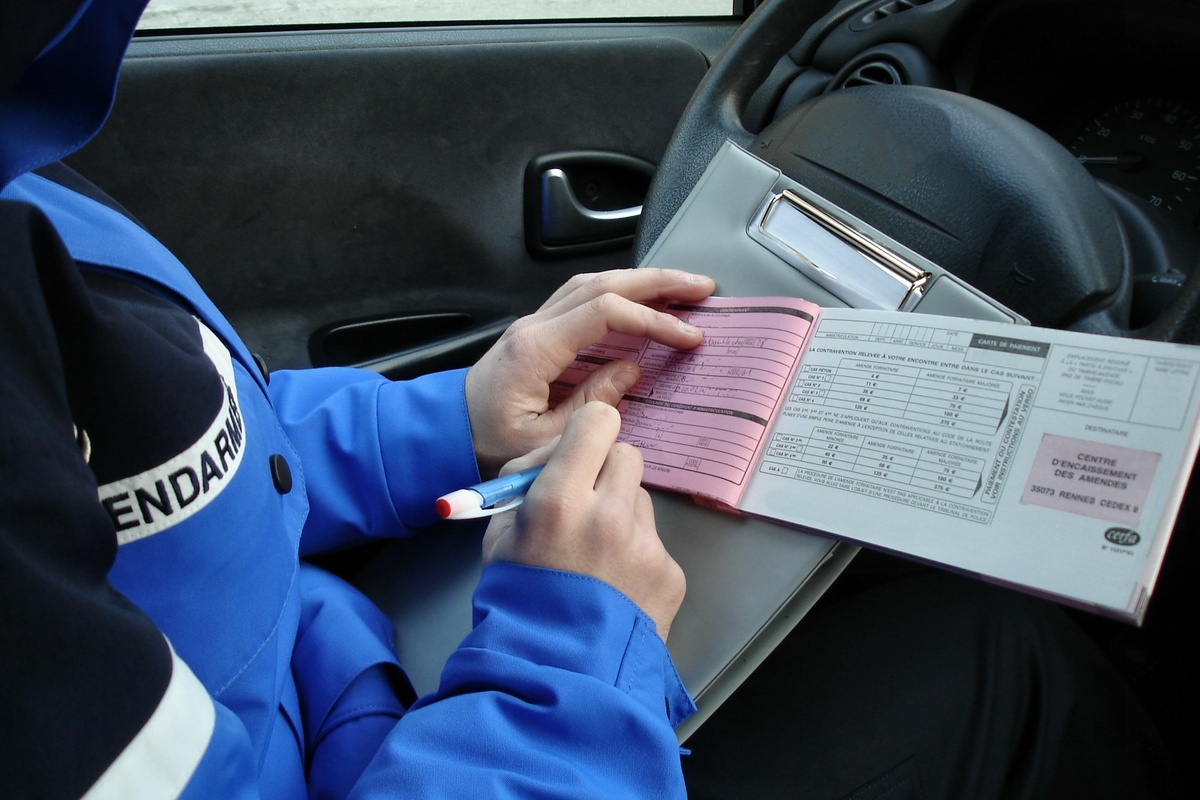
(175, 14)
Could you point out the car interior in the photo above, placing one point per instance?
(392, 196)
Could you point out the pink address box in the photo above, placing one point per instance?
(1093, 479)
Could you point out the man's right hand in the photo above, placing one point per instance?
(587, 513)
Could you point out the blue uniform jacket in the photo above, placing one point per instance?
(558, 691)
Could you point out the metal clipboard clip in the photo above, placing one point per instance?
(843, 260)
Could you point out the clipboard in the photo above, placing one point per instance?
(759, 233)
(814, 241)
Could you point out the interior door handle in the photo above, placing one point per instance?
(579, 202)
(566, 220)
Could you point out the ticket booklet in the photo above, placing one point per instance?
(1050, 461)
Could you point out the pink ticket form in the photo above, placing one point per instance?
(699, 416)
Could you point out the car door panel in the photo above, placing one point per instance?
(375, 181)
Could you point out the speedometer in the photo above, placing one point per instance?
(1151, 147)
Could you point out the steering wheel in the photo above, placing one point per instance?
(971, 187)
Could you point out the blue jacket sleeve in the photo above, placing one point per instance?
(375, 454)
(562, 690)
(558, 692)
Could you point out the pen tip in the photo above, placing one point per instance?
(443, 508)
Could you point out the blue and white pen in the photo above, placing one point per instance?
(489, 497)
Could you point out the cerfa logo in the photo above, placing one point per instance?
(1123, 537)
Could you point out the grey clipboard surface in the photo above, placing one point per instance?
(749, 581)
(719, 230)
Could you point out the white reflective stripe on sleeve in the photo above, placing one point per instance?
(164, 754)
(165, 495)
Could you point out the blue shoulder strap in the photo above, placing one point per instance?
(96, 234)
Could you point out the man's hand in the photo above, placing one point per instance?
(587, 513)
(508, 391)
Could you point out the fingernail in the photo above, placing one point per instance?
(623, 380)
(690, 330)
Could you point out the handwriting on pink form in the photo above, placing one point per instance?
(699, 416)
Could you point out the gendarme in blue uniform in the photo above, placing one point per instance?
(204, 484)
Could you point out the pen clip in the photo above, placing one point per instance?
(490, 511)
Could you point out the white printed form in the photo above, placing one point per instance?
(914, 414)
(699, 416)
(1062, 438)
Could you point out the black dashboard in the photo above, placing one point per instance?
(1115, 82)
